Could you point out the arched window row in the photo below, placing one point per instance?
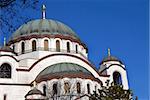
(66, 87)
(47, 47)
(5, 71)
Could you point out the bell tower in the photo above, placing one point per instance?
(112, 66)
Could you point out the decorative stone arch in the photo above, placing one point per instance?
(60, 58)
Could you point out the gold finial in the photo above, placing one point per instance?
(34, 84)
(108, 51)
(4, 41)
(43, 11)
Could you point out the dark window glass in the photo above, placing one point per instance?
(88, 88)
(68, 47)
(33, 45)
(22, 47)
(78, 88)
(76, 48)
(117, 78)
(5, 71)
(57, 46)
(54, 89)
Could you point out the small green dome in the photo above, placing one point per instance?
(44, 26)
(110, 58)
(34, 91)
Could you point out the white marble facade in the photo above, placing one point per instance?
(22, 61)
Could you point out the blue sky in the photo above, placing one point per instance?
(121, 25)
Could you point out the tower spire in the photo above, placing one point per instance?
(108, 51)
(43, 11)
(4, 41)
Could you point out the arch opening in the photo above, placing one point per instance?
(78, 88)
(68, 47)
(46, 47)
(22, 48)
(117, 78)
(76, 48)
(55, 89)
(5, 71)
(88, 88)
(33, 45)
(58, 46)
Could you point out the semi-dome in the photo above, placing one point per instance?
(44, 26)
(60, 69)
(64, 68)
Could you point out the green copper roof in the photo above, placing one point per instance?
(64, 68)
(44, 26)
(34, 91)
(110, 58)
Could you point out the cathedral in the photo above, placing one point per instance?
(44, 59)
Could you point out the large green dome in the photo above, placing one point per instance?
(44, 26)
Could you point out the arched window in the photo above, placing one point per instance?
(44, 90)
(22, 48)
(57, 46)
(55, 89)
(46, 45)
(88, 88)
(78, 88)
(5, 71)
(68, 47)
(33, 45)
(117, 78)
(76, 48)
(67, 87)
